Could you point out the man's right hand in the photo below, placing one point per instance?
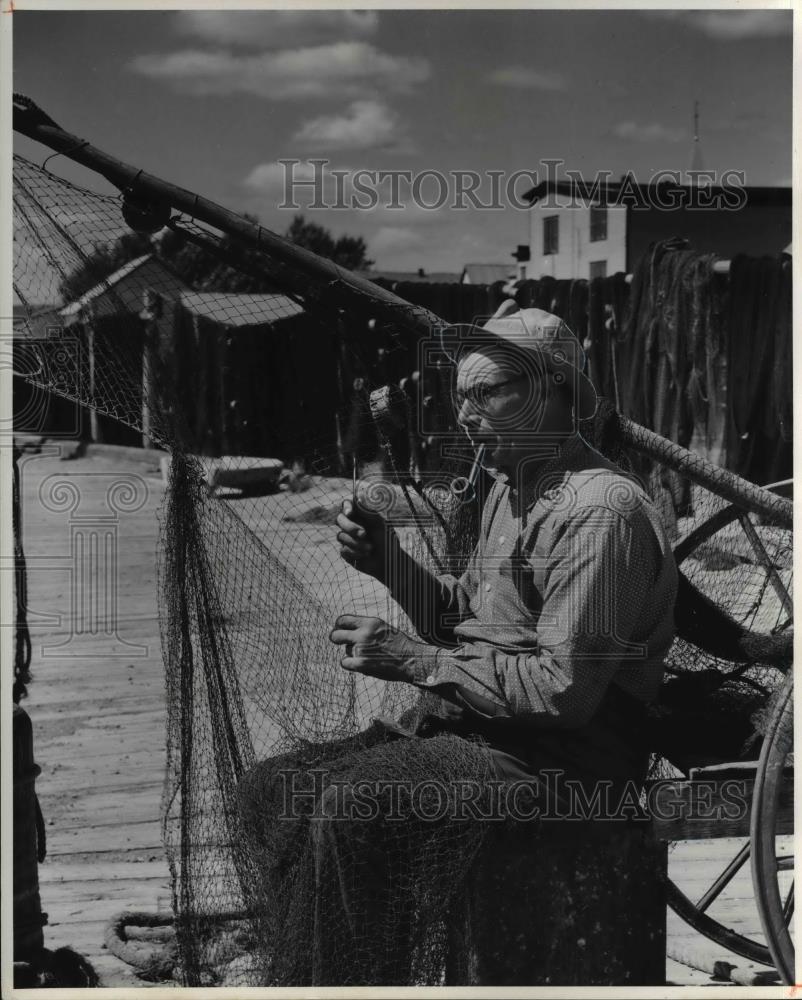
(364, 538)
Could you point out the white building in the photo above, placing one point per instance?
(581, 232)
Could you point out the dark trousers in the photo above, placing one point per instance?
(359, 889)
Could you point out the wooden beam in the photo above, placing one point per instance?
(712, 805)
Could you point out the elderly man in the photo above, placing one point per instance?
(541, 658)
(551, 643)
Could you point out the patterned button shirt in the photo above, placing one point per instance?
(570, 589)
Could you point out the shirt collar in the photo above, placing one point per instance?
(572, 455)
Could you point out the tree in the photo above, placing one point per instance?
(104, 260)
(203, 269)
(347, 251)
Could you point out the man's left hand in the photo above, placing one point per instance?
(374, 648)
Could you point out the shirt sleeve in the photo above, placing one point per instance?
(437, 603)
(598, 571)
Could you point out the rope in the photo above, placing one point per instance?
(148, 943)
(153, 952)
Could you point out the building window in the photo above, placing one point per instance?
(551, 234)
(598, 223)
(598, 269)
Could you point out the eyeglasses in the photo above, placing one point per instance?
(483, 394)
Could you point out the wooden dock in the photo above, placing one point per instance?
(97, 703)
(98, 710)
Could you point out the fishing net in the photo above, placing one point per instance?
(250, 581)
(225, 356)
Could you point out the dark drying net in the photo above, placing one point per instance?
(131, 335)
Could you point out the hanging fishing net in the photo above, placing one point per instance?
(166, 331)
(250, 581)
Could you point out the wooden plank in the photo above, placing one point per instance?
(98, 773)
(102, 721)
(710, 847)
(63, 871)
(71, 825)
(89, 840)
(150, 728)
(678, 974)
(717, 962)
(88, 661)
(126, 681)
(137, 806)
(125, 889)
(104, 857)
(87, 729)
(105, 784)
(722, 812)
(102, 908)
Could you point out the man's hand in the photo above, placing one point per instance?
(364, 539)
(374, 648)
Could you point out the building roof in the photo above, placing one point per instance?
(433, 277)
(487, 274)
(73, 308)
(626, 189)
(233, 309)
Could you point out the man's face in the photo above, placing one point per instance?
(497, 405)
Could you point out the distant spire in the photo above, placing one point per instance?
(697, 162)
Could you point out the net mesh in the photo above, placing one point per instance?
(227, 358)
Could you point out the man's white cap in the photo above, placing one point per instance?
(547, 335)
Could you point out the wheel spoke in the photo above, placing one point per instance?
(788, 905)
(725, 877)
(725, 936)
(763, 556)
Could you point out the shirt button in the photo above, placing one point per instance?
(501, 539)
(430, 679)
(487, 586)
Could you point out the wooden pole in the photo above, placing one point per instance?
(721, 481)
(150, 330)
(95, 429)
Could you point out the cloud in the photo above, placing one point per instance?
(278, 182)
(390, 239)
(305, 184)
(366, 124)
(527, 79)
(277, 29)
(343, 69)
(648, 133)
(299, 183)
(731, 25)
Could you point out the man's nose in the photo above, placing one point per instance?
(468, 415)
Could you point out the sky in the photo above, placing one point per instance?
(213, 101)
